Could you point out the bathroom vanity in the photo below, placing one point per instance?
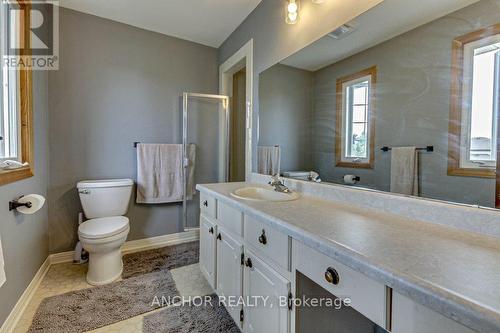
(400, 275)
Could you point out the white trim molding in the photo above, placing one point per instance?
(16, 313)
(10, 323)
(243, 58)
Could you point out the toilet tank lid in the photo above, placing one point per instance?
(105, 183)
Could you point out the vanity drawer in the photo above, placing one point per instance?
(208, 205)
(271, 243)
(230, 218)
(367, 296)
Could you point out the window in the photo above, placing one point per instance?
(16, 102)
(9, 120)
(474, 107)
(355, 119)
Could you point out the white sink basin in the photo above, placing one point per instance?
(262, 194)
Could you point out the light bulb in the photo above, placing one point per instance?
(292, 7)
(292, 12)
(292, 18)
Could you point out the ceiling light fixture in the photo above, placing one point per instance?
(292, 11)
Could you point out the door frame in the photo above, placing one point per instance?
(243, 58)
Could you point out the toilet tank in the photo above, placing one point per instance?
(104, 198)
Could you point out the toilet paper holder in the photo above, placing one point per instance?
(14, 204)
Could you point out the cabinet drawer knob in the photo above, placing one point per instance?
(205, 203)
(219, 237)
(263, 238)
(331, 276)
(248, 263)
(211, 230)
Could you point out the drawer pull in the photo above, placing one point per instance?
(211, 230)
(219, 237)
(205, 203)
(263, 238)
(248, 263)
(331, 276)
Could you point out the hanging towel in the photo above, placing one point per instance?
(404, 171)
(159, 173)
(2, 270)
(269, 159)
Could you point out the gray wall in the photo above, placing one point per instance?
(24, 237)
(124, 86)
(285, 115)
(274, 40)
(412, 105)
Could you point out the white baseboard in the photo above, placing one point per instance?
(16, 313)
(58, 258)
(139, 245)
(161, 241)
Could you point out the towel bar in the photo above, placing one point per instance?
(427, 149)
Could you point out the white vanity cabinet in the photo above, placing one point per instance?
(411, 317)
(269, 312)
(208, 250)
(232, 259)
(245, 259)
(229, 271)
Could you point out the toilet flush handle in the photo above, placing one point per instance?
(84, 191)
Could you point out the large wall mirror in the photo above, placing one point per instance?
(403, 99)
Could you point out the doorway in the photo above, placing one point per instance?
(236, 81)
(237, 128)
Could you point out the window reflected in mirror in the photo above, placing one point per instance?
(476, 63)
(355, 131)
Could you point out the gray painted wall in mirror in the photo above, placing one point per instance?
(287, 93)
(126, 88)
(412, 106)
(274, 40)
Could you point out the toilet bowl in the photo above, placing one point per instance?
(104, 203)
(103, 238)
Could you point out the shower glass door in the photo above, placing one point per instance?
(205, 128)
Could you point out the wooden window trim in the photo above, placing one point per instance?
(25, 109)
(372, 71)
(455, 122)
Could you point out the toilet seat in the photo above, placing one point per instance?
(103, 227)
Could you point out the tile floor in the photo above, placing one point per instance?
(66, 277)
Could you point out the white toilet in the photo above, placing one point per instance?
(104, 202)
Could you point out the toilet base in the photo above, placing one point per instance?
(105, 258)
(104, 270)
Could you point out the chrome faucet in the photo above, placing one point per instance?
(278, 185)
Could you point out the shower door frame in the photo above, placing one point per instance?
(223, 142)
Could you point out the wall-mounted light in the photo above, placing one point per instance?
(292, 11)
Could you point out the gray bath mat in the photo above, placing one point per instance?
(160, 259)
(191, 319)
(88, 309)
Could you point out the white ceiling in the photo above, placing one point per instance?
(207, 22)
(381, 23)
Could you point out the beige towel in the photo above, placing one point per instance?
(2, 270)
(159, 173)
(404, 171)
(269, 160)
